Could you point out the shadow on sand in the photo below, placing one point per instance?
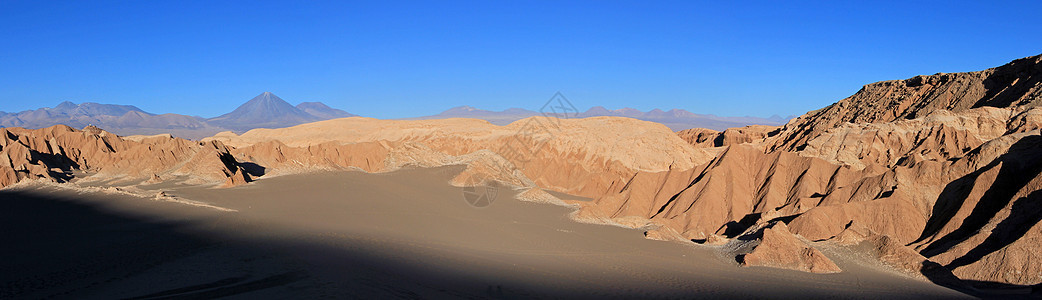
(60, 247)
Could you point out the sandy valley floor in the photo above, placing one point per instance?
(404, 234)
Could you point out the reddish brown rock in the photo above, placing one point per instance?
(1014, 84)
(779, 248)
(50, 153)
(704, 138)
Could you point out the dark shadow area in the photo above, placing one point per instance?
(734, 228)
(56, 247)
(253, 169)
(210, 285)
(786, 219)
(66, 248)
(718, 140)
(752, 236)
(51, 242)
(949, 202)
(885, 194)
(1010, 82)
(775, 132)
(1025, 214)
(1018, 166)
(940, 275)
(53, 160)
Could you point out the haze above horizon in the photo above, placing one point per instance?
(394, 60)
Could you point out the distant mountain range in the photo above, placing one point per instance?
(264, 111)
(269, 111)
(675, 119)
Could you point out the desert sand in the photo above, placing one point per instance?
(402, 234)
(933, 178)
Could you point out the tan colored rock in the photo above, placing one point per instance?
(1013, 84)
(705, 138)
(941, 135)
(939, 171)
(49, 153)
(741, 183)
(577, 156)
(915, 162)
(700, 137)
(779, 248)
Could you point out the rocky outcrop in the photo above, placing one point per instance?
(53, 153)
(1016, 84)
(577, 156)
(776, 247)
(727, 195)
(940, 174)
(701, 137)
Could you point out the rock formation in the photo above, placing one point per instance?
(1014, 84)
(704, 138)
(943, 166)
(938, 176)
(779, 248)
(578, 156)
(53, 153)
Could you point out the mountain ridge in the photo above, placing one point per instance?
(936, 177)
(131, 120)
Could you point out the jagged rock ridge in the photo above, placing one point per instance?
(940, 178)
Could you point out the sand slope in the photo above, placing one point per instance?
(403, 234)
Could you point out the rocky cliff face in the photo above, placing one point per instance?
(1016, 84)
(939, 175)
(53, 153)
(945, 166)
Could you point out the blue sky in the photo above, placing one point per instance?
(399, 59)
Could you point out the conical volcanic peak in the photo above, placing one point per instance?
(265, 110)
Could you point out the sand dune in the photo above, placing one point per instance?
(936, 177)
(401, 234)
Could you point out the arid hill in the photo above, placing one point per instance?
(54, 153)
(579, 156)
(935, 170)
(938, 176)
(1014, 84)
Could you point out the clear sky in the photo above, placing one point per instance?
(399, 59)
